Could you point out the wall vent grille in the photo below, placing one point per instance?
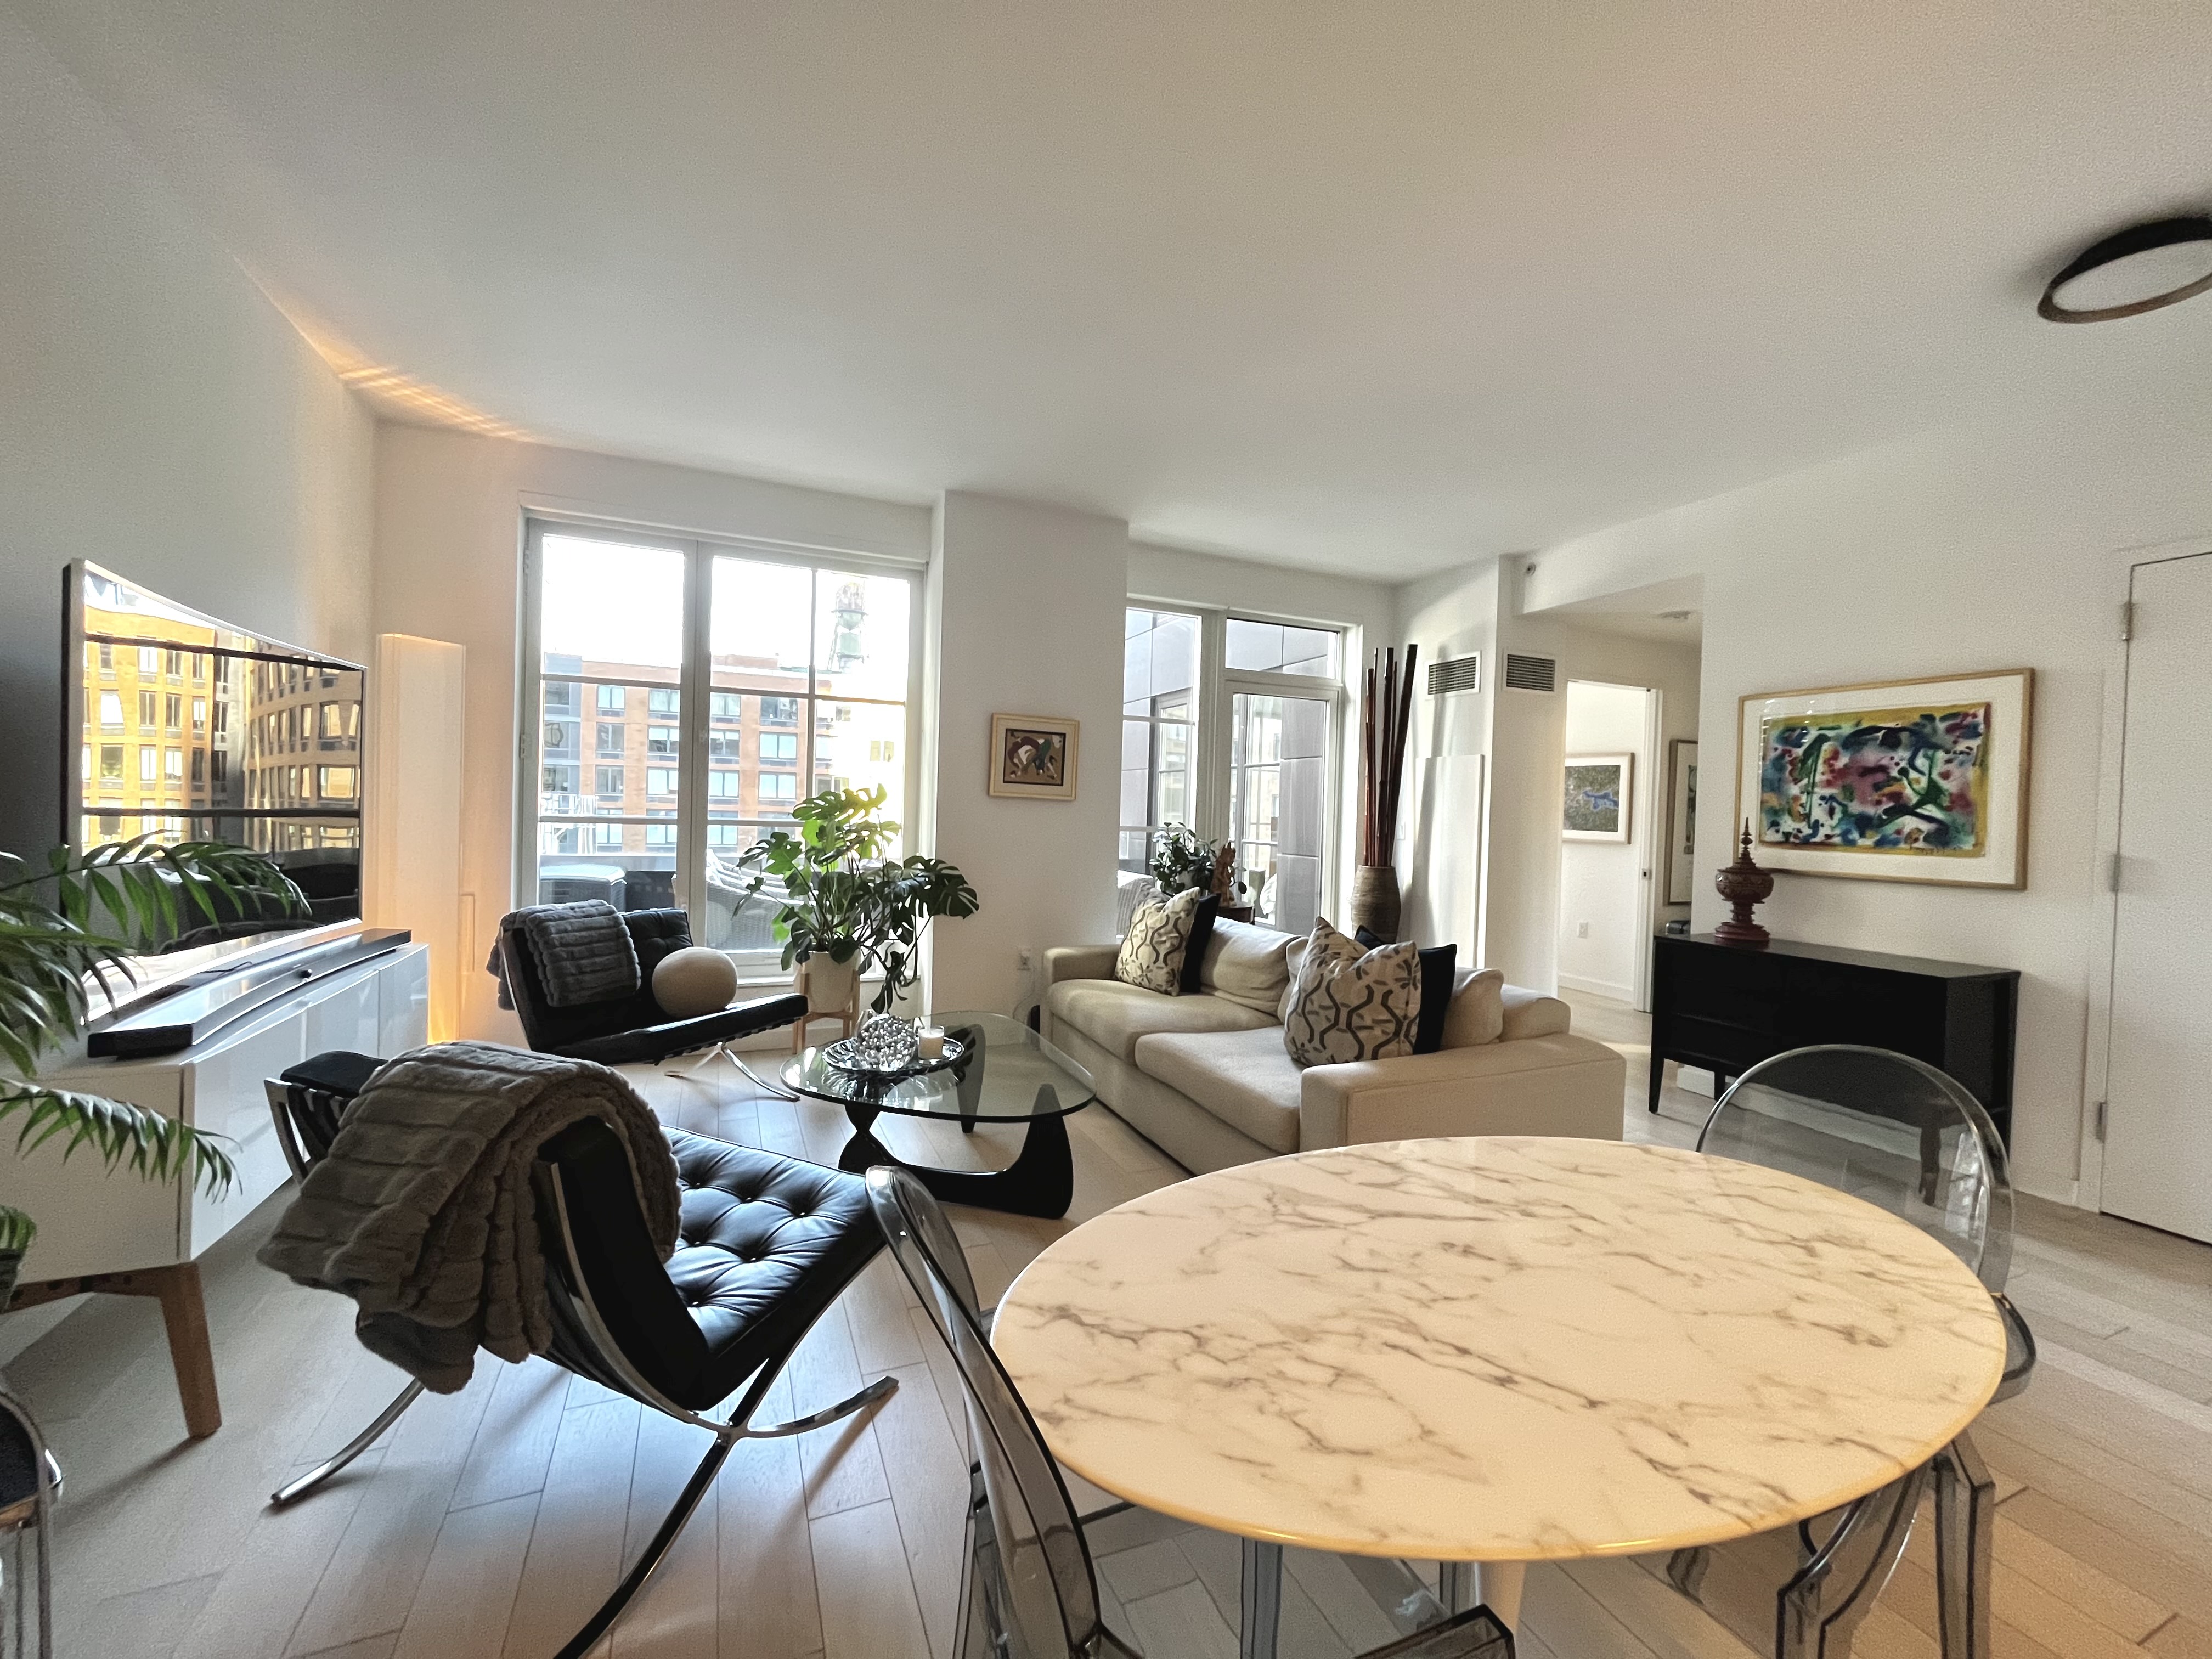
(1531, 673)
(1460, 674)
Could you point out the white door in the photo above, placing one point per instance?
(2158, 1137)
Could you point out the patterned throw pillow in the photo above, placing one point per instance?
(1347, 1004)
(1158, 939)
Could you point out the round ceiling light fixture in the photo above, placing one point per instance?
(2138, 269)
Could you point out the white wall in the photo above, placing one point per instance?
(1030, 601)
(1600, 882)
(449, 511)
(157, 415)
(1441, 833)
(1995, 547)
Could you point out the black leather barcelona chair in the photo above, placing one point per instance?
(634, 1028)
(765, 1244)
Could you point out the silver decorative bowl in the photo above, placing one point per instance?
(889, 1047)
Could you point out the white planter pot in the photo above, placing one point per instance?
(832, 987)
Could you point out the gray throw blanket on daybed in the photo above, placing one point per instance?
(423, 1210)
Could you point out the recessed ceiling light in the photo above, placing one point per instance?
(2139, 270)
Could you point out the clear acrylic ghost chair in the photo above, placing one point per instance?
(1910, 1139)
(1030, 1590)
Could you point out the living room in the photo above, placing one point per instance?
(647, 424)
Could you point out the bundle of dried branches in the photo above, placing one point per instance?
(1384, 721)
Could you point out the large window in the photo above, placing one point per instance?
(1231, 724)
(734, 674)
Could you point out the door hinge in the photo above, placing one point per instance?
(2127, 621)
(2100, 1120)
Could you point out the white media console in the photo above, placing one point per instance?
(123, 1235)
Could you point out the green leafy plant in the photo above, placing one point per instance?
(844, 897)
(1185, 858)
(68, 927)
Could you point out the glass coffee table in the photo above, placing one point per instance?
(1009, 1074)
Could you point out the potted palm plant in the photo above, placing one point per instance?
(846, 902)
(69, 927)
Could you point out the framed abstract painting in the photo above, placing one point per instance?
(1897, 781)
(1681, 821)
(1033, 756)
(1596, 803)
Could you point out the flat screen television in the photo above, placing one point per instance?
(184, 727)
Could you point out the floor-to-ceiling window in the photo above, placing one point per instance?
(682, 697)
(1231, 724)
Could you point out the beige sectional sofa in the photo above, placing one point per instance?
(1204, 1075)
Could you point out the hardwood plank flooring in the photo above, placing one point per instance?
(490, 1522)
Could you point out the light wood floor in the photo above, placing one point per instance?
(492, 1521)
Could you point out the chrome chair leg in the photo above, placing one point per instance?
(353, 1447)
(882, 1389)
(723, 1051)
(1686, 1570)
(638, 1576)
(1966, 1522)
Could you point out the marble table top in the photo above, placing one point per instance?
(1507, 1348)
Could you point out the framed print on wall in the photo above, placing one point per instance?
(1597, 803)
(1895, 781)
(1033, 756)
(1682, 819)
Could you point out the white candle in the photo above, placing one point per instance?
(932, 1042)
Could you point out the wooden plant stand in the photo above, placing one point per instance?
(183, 1311)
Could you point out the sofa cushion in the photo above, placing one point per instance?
(1532, 1014)
(1478, 1010)
(1349, 1004)
(1151, 955)
(1243, 1077)
(1114, 1015)
(1247, 965)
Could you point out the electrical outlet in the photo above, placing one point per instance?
(1582, 930)
(1029, 958)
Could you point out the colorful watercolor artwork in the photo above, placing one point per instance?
(1923, 780)
(1033, 756)
(1877, 781)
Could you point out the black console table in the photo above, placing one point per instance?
(1726, 1007)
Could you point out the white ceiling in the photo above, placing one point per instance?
(1371, 286)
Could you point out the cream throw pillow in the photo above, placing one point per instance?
(1159, 935)
(1476, 1014)
(1347, 1004)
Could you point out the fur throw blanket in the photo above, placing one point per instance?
(423, 1211)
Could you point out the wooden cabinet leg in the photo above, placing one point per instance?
(184, 1312)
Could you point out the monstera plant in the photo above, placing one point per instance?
(845, 897)
(70, 926)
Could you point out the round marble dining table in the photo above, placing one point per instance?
(1499, 1349)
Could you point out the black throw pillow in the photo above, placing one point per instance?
(1439, 967)
(1201, 933)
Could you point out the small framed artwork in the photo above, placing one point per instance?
(1682, 819)
(1918, 780)
(1033, 756)
(1596, 806)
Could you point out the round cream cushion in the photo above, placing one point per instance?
(694, 981)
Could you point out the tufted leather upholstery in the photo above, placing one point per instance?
(634, 1028)
(766, 1242)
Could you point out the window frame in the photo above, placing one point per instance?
(694, 718)
(1213, 737)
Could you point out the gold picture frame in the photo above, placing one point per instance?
(1034, 757)
(1808, 819)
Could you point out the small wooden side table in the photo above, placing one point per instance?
(184, 1312)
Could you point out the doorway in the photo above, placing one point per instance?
(2158, 1133)
(1607, 840)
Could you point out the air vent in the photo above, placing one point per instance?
(1531, 673)
(1460, 674)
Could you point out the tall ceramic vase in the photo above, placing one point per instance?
(1374, 901)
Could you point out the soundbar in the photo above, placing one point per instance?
(202, 1004)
